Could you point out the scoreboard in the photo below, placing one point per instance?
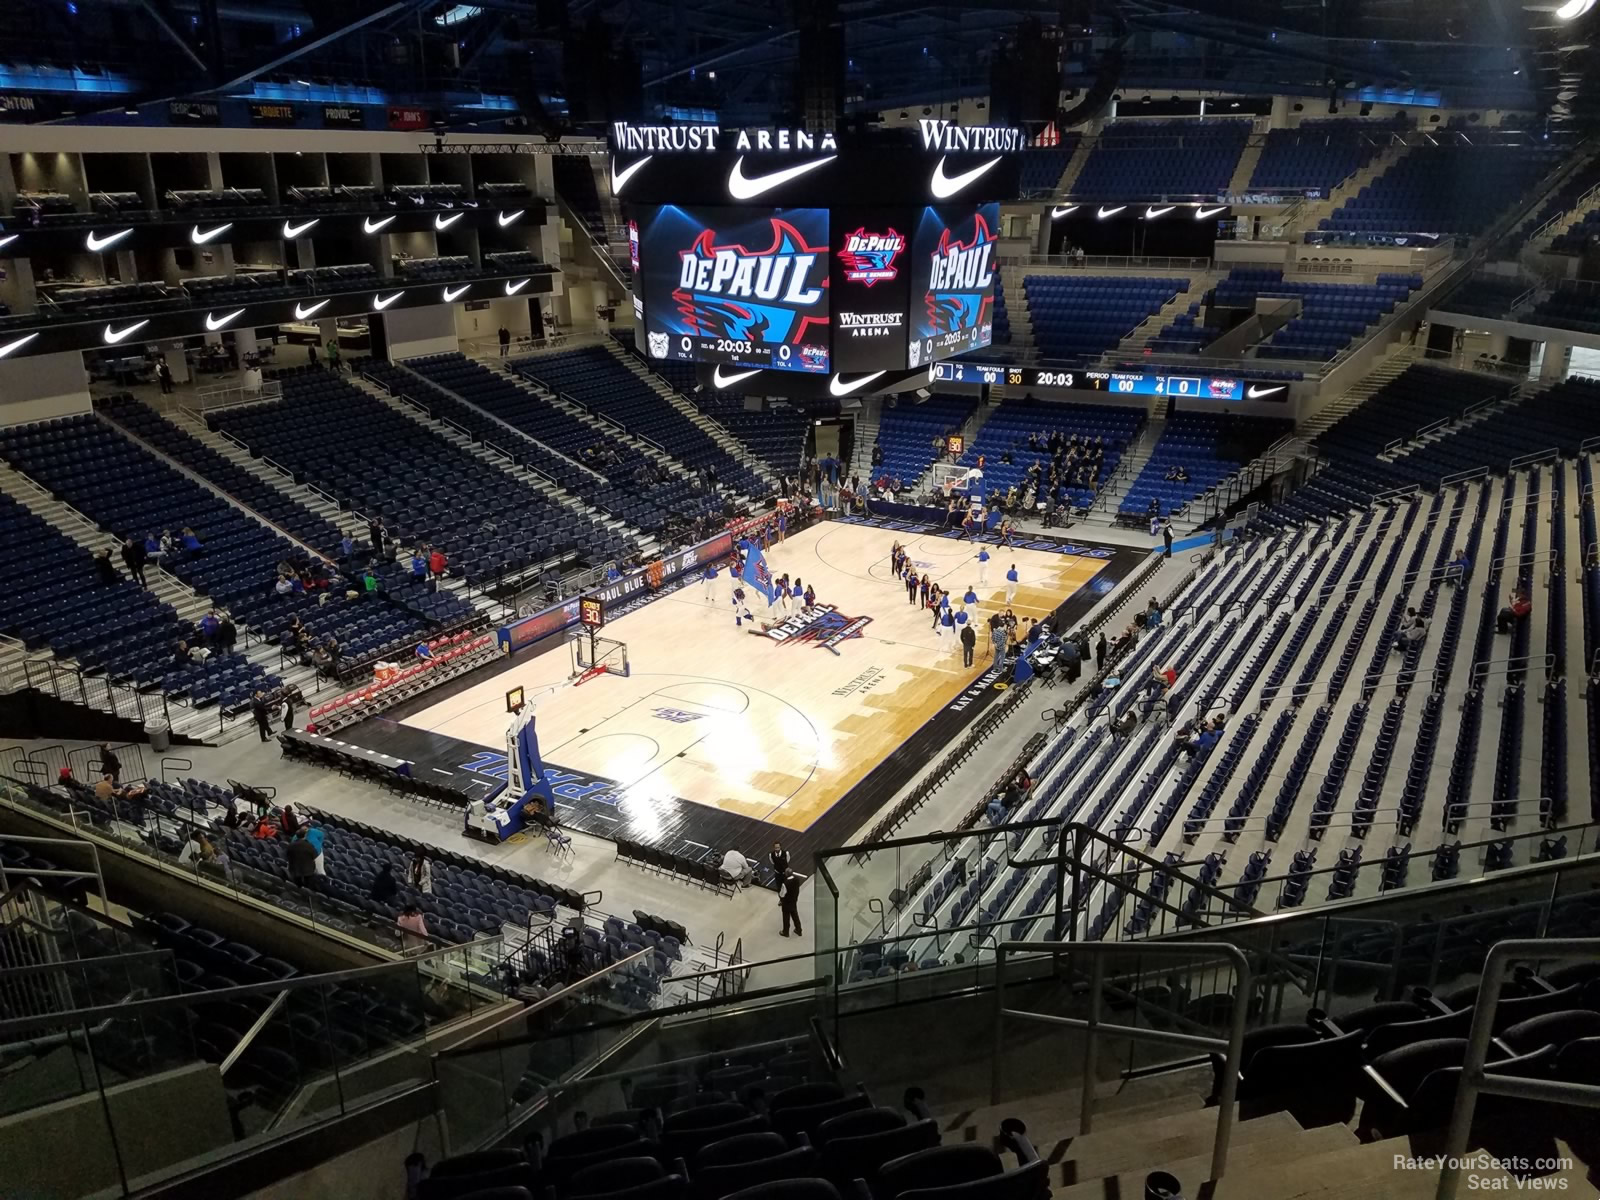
(1183, 386)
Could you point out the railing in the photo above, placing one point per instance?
(1230, 1047)
(1107, 262)
(1475, 1080)
(71, 684)
(1549, 226)
(229, 397)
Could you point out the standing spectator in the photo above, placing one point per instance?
(110, 764)
(289, 820)
(437, 562)
(104, 570)
(505, 341)
(1166, 538)
(385, 887)
(375, 532)
(1100, 652)
(134, 556)
(311, 353)
(262, 715)
(227, 632)
(314, 835)
(789, 904)
(422, 872)
(164, 374)
(334, 363)
(288, 709)
(302, 859)
(413, 929)
(969, 643)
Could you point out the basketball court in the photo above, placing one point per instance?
(716, 720)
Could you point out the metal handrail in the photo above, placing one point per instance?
(94, 857)
(1474, 1079)
(1231, 1046)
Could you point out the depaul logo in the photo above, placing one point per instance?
(823, 626)
(869, 257)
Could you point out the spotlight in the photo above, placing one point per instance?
(1573, 9)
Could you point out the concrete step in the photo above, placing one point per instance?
(1246, 166)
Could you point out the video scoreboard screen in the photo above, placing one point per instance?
(738, 286)
(952, 281)
(1122, 383)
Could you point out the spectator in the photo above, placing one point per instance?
(347, 547)
(376, 533)
(1456, 569)
(385, 886)
(969, 643)
(789, 904)
(287, 710)
(424, 651)
(1100, 649)
(419, 564)
(198, 849)
(133, 557)
(780, 860)
(105, 791)
(164, 374)
(258, 709)
(311, 353)
(505, 341)
(1125, 724)
(302, 859)
(227, 632)
(421, 873)
(334, 363)
(289, 820)
(106, 573)
(110, 763)
(192, 545)
(413, 929)
(1517, 608)
(1412, 630)
(208, 627)
(437, 562)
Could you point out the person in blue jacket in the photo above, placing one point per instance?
(1011, 583)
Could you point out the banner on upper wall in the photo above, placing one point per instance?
(272, 112)
(409, 118)
(344, 116)
(194, 112)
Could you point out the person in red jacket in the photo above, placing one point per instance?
(437, 562)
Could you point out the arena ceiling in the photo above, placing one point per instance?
(738, 58)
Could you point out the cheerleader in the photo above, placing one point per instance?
(810, 598)
(782, 589)
(741, 610)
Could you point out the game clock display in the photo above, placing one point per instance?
(746, 288)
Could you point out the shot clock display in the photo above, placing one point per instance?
(591, 612)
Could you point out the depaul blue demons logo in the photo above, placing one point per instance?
(961, 278)
(869, 257)
(768, 295)
(823, 626)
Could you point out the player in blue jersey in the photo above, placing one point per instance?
(1011, 583)
(983, 567)
(708, 583)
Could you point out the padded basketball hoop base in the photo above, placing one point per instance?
(591, 673)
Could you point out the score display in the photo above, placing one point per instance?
(747, 288)
(1121, 383)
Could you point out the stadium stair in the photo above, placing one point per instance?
(1314, 211)
(1358, 393)
(713, 429)
(1247, 164)
(1156, 323)
(867, 422)
(1104, 512)
(1074, 167)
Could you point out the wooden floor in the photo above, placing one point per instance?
(777, 732)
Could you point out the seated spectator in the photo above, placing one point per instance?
(198, 849)
(1456, 569)
(1412, 631)
(192, 544)
(284, 586)
(424, 650)
(385, 887)
(289, 821)
(1125, 724)
(1200, 739)
(737, 869)
(1152, 614)
(1517, 608)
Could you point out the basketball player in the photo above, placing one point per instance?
(970, 600)
(741, 610)
(708, 583)
(1011, 584)
(983, 567)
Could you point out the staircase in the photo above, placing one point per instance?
(1023, 347)
(713, 429)
(1586, 205)
(1240, 180)
(867, 419)
(1104, 512)
(1314, 211)
(1074, 167)
(197, 724)
(1357, 395)
(1147, 331)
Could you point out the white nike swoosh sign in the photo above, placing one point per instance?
(370, 226)
(1058, 212)
(1256, 393)
(1151, 213)
(510, 218)
(18, 344)
(1200, 214)
(290, 232)
(443, 222)
(619, 179)
(382, 302)
(513, 288)
(1109, 212)
(721, 381)
(302, 311)
(451, 294)
(742, 187)
(216, 323)
(469, 204)
(113, 336)
(95, 242)
(8, 239)
(944, 186)
(200, 237)
(838, 388)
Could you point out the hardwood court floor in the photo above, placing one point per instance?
(776, 732)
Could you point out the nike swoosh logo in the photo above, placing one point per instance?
(200, 239)
(290, 232)
(457, 293)
(1058, 212)
(619, 179)
(8, 239)
(1109, 212)
(1200, 214)
(509, 218)
(1150, 213)
(443, 222)
(95, 242)
(302, 311)
(368, 226)
(944, 186)
(717, 379)
(836, 388)
(513, 288)
(216, 323)
(18, 344)
(382, 302)
(113, 336)
(742, 187)
(469, 204)
(1256, 393)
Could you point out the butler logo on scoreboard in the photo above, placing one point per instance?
(869, 257)
(952, 303)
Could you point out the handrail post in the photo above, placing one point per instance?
(1242, 986)
(1483, 1014)
(999, 1023)
(1091, 1044)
